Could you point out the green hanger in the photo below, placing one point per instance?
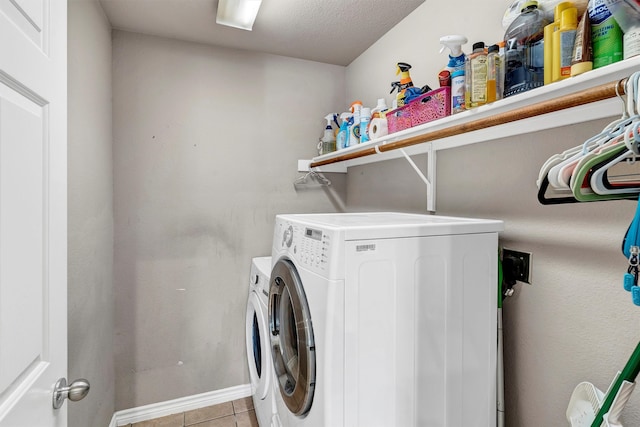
(584, 168)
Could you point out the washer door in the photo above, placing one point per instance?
(258, 352)
(292, 344)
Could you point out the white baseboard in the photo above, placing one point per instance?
(183, 404)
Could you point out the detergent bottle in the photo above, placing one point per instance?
(456, 56)
(328, 140)
(354, 128)
(380, 109)
(403, 68)
(378, 124)
(342, 140)
(365, 119)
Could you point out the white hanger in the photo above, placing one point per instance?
(559, 175)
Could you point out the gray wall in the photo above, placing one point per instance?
(575, 322)
(90, 221)
(206, 143)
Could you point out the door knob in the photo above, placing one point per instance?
(75, 391)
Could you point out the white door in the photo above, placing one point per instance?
(33, 218)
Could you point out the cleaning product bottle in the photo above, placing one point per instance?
(524, 43)
(342, 140)
(456, 56)
(380, 109)
(551, 51)
(354, 128)
(403, 68)
(328, 141)
(478, 76)
(563, 41)
(627, 15)
(456, 63)
(606, 35)
(494, 85)
(365, 119)
(549, 29)
(457, 92)
(378, 124)
(582, 58)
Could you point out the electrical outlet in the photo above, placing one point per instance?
(516, 266)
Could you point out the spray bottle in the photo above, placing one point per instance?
(328, 140)
(456, 56)
(342, 140)
(403, 68)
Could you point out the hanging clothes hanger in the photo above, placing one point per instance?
(599, 179)
(618, 153)
(591, 171)
(550, 170)
(560, 175)
(583, 192)
(551, 196)
(602, 184)
(307, 180)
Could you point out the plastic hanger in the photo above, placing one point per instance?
(599, 180)
(552, 196)
(584, 193)
(309, 177)
(560, 173)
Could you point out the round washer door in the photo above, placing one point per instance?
(258, 351)
(292, 344)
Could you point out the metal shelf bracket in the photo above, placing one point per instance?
(430, 179)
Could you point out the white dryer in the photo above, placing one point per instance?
(384, 319)
(258, 345)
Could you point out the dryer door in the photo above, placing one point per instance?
(292, 343)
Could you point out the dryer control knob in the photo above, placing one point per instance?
(287, 237)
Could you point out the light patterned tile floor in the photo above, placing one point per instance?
(239, 413)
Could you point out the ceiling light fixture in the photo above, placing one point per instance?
(238, 13)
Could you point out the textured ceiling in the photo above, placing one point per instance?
(330, 31)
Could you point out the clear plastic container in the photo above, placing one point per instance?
(524, 45)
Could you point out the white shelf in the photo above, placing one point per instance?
(596, 110)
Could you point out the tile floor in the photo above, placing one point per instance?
(238, 413)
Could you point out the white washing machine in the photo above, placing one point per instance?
(258, 345)
(384, 319)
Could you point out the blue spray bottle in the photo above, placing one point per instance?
(456, 56)
(455, 66)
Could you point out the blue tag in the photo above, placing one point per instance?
(629, 281)
(635, 295)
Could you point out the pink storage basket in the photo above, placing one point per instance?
(399, 119)
(427, 107)
(430, 106)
